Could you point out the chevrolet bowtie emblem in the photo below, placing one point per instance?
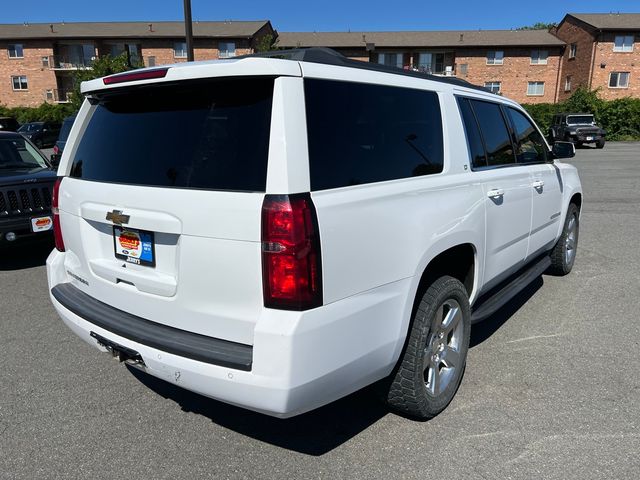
(117, 217)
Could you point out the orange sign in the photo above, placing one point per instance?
(43, 222)
(129, 240)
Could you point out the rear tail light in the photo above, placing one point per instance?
(57, 230)
(291, 268)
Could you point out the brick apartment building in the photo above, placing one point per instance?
(530, 66)
(40, 59)
(601, 53)
(520, 64)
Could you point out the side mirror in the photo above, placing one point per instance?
(563, 150)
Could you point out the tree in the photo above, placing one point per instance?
(100, 67)
(539, 26)
(266, 43)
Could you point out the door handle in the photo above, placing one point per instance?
(495, 193)
(538, 184)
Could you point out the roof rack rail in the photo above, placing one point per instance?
(328, 56)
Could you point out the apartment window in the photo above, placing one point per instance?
(45, 62)
(15, 50)
(494, 87)
(390, 59)
(619, 80)
(131, 50)
(151, 61)
(573, 49)
(535, 88)
(48, 95)
(539, 57)
(623, 43)
(227, 49)
(20, 82)
(180, 50)
(495, 57)
(567, 83)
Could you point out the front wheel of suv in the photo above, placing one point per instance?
(600, 144)
(435, 354)
(563, 254)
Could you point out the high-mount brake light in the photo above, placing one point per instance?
(57, 230)
(291, 267)
(133, 76)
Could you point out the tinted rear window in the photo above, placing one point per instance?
(360, 133)
(210, 134)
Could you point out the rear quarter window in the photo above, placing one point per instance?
(211, 134)
(361, 133)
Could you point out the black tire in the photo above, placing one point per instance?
(409, 392)
(561, 261)
(600, 144)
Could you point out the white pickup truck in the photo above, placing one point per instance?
(277, 232)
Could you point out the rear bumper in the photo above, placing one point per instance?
(299, 360)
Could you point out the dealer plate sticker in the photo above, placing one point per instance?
(41, 224)
(134, 246)
(589, 138)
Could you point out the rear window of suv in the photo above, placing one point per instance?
(361, 133)
(211, 134)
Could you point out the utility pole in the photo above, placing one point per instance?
(188, 29)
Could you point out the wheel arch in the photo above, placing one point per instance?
(455, 256)
(576, 199)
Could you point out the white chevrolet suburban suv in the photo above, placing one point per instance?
(278, 231)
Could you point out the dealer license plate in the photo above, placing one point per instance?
(134, 246)
(41, 224)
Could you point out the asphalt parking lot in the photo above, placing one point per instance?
(551, 390)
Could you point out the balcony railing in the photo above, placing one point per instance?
(58, 95)
(444, 71)
(65, 62)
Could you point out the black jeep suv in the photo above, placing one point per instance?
(577, 128)
(26, 185)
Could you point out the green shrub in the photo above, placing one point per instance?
(620, 118)
(47, 112)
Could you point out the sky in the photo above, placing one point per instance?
(325, 15)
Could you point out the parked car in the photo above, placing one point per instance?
(321, 224)
(26, 185)
(42, 134)
(58, 148)
(8, 124)
(578, 128)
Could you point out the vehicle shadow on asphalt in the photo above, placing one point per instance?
(322, 430)
(314, 433)
(20, 257)
(485, 329)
